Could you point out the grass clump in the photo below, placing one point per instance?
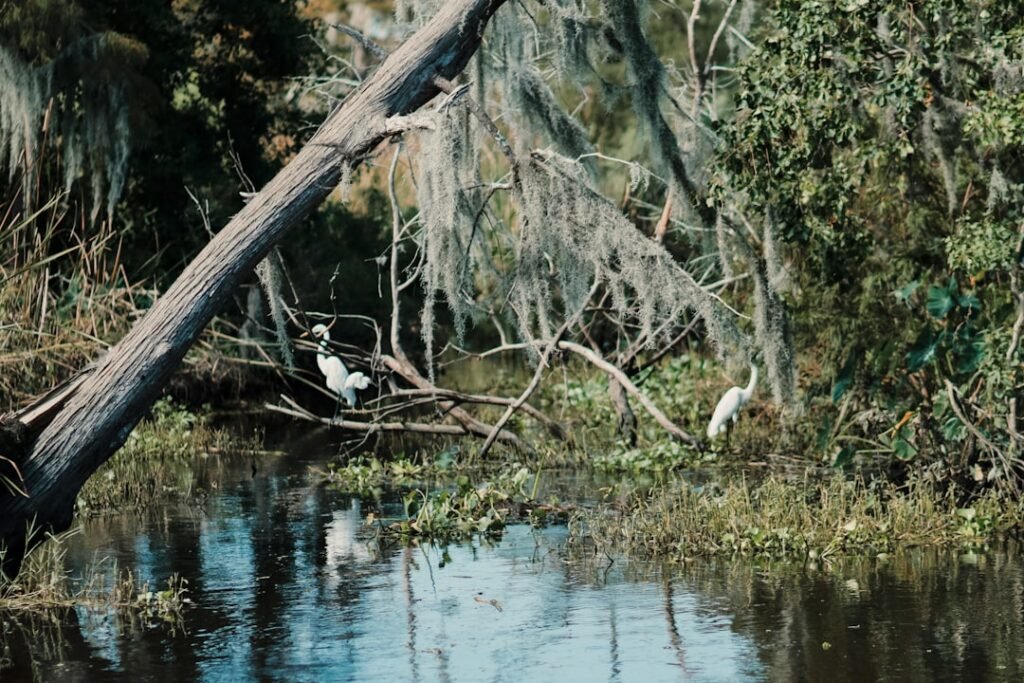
(804, 518)
(167, 456)
(43, 583)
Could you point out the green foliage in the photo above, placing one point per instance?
(370, 476)
(886, 140)
(164, 457)
(998, 120)
(662, 455)
(809, 520)
(983, 246)
(951, 340)
(470, 509)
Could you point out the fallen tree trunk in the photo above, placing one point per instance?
(106, 407)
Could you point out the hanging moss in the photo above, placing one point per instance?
(532, 102)
(269, 273)
(573, 234)
(78, 100)
(447, 165)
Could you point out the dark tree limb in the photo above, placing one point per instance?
(106, 407)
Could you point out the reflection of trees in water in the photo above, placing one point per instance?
(920, 615)
(51, 645)
(246, 559)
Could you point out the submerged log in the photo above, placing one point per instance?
(105, 408)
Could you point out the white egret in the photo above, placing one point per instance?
(729, 406)
(332, 367)
(357, 380)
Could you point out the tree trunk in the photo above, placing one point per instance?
(110, 401)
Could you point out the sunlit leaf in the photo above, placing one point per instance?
(903, 449)
(904, 293)
(940, 301)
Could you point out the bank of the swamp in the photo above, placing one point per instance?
(174, 454)
(733, 511)
(754, 496)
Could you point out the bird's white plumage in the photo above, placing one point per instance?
(357, 380)
(728, 407)
(332, 368)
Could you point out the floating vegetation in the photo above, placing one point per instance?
(470, 509)
(443, 504)
(660, 456)
(796, 518)
(370, 476)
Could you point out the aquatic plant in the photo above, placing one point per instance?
(45, 583)
(805, 518)
(468, 509)
(167, 456)
(370, 476)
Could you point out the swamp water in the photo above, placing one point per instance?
(285, 587)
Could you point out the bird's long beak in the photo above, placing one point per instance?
(304, 335)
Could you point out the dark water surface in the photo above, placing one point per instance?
(286, 588)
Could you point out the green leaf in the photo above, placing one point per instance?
(845, 378)
(952, 429)
(923, 350)
(903, 449)
(844, 457)
(969, 302)
(446, 458)
(940, 301)
(969, 356)
(904, 293)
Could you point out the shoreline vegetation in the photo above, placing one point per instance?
(874, 269)
(174, 454)
(643, 503)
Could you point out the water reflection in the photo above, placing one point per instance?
(287, 588)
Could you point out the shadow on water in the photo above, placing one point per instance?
(286, 587)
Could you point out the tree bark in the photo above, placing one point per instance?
(106, 407)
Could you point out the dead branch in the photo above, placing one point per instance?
(615, 373)
(555, 428)
(528, 391)
(370, 427)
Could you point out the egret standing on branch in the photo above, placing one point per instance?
(729, 407)
(334, 370)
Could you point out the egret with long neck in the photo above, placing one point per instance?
(728, 407)
(332, 368)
